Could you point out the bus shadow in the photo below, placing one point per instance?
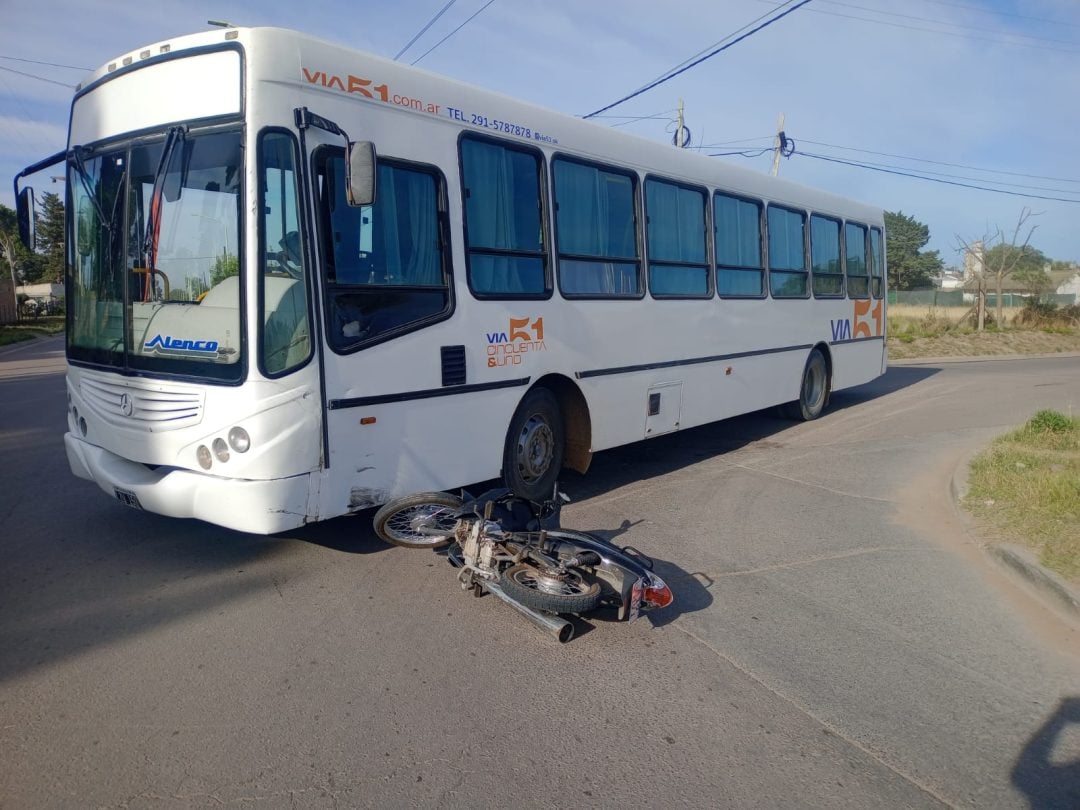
(349, 534)
(615, 468)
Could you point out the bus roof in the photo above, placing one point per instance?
(290, 57)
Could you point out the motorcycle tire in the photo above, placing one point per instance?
(522, 583)
(394, 521)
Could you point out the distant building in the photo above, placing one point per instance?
(950, 280)
(41, 299)
(1069, 284)
(974, 261)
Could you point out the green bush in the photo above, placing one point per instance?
(1049, 422)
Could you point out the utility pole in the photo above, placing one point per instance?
(778, 146)
(679, 127)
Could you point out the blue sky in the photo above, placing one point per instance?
(998, 90)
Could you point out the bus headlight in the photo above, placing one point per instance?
(239, 440)
(203, 456)
(221, 450)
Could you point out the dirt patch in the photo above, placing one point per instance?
(1011, 341)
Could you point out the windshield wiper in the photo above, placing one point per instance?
(153, 220)
(84, 178)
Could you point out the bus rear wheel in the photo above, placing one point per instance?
(813, 392)
(533, 454)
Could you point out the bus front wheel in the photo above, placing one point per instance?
(533, 453)
(813, 392)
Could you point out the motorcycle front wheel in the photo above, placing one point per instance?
(421, 520)
(550, 591)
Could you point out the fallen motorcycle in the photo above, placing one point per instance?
(515, 549)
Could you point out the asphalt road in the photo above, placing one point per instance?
(838, 639)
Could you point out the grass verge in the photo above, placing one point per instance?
(1026, 488)
(28, 330)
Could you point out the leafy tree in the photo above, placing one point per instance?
(50, 238)
(910, 267)
(224, 266)
(1028, 265)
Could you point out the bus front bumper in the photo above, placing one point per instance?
(260, 507)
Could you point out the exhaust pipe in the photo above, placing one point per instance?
(561, 629)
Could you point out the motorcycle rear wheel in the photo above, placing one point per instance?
(540, 590)
(396, 521)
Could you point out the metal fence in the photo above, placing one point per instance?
(955, 298)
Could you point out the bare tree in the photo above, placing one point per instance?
(997, 258)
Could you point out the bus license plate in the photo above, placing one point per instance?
(127, 497)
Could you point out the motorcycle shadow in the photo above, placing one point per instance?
(690, 589)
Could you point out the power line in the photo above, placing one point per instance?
(946, 22)
(39, 78)
(974, 179)
(748, 153)
(441, 41)
(49, 64)
(660, 114)
(939, 31)
(871, 167)
(737, 142)
(939, 162)
(672, 74)
(983, 10)
(421, 32)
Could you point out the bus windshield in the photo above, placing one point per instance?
(154, 255)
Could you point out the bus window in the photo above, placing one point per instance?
(596, 228)
(877, 263)
(384, 264)
(787, 253)
(285, 341)
(678, 259)
(825, 257)
(504, 232)
(857, 268)
(737, 232)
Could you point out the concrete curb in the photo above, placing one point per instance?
(1017, 560)
(981, 358)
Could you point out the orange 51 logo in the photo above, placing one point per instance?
(866, 323)
(507, 348)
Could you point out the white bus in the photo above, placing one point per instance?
(256, 341)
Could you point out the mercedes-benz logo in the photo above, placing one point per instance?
(125, 404)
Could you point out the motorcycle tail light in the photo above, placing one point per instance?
(659, 595)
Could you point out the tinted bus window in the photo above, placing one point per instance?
(678, 261)
(787, 252)
(825, 256)
(737, 232)
(596, 228)
(507, 255)
(858, 269)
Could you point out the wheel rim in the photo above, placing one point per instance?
(404, 525)
(535, 448)
(548, 580)
(814, 383)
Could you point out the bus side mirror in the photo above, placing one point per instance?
(24, 205)
(360, 173)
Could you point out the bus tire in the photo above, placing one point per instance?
(813, 390)
(535, 441)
